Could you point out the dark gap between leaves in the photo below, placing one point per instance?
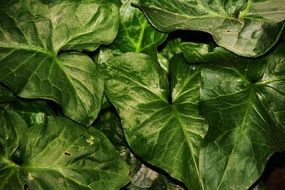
(273, 177)
(26, 187)
(188, 36)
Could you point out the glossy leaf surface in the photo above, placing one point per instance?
(135, 33)
(243, 101)
(155, 113)
(33, 32)
(245, 27)
(142, 177)
(56, 154)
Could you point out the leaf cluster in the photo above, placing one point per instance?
(109, 94)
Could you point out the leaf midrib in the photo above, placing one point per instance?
(179, 121)
(240, 127)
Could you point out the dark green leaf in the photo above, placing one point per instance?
(6, 95)
(109, 124)
(245, 112)
(12, 128)
(32, 111)
(246, 27)
(167, 133)
(58, 154)
(32, 33)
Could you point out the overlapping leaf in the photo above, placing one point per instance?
(56, 154)
(33, 32)
(161, 122)
(246, 27)
(135, 32)
(5, 94)
(243, 101)
(171, 48)
(141, 176)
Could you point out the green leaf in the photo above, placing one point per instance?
(58, 154)
(32, 111)
(245, 27)
(243, 103)
(205, 53)
(32, 33)
(168, 134)
(6, 95)
(141, 176)
(110, 125)
(135, 33)
(12, 128)
(171, 48)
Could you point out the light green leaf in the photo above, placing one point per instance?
(171, 48)
(58, 154)
(33, 32)
(244, 106)
(245, 27)
(135, 32)
(161, 126)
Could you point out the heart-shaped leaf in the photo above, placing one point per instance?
(161, 122)
(56, 154)
(243, 101)
(32, 33)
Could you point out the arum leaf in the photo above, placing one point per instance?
(135, 33)
(244, 106)
(245, 27)
(58, 154)
(32, 33)
(139, 89)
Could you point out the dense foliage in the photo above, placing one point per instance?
(109, 94)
